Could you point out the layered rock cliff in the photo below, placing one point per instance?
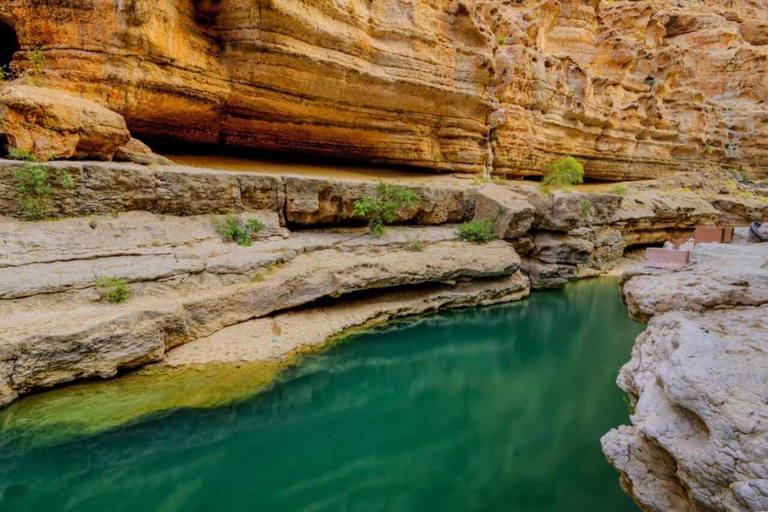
(635, 89)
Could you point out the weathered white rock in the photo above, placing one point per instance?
(274, 336)
(698, 378)
(557, 257)
(722, 275)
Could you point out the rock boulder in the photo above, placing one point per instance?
(510, 213)
(52, 124)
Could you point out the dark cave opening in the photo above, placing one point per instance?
(9, 44)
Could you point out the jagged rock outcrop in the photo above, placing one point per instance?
(697, 379)
(636, 89)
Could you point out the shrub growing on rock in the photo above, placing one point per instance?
(31, 183)
(476, 231)
(619, 190)
(384, 206)
(415, 245)
(235, 230)
(586, 208)
(36, 61)
(564, 172)
(22, 154)
(34, 186)
(113, 289)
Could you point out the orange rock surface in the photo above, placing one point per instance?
(635, 89)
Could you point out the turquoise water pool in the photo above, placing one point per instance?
(491, 409)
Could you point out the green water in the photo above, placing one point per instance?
(493, 409)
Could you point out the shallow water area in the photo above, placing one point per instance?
(487, 409)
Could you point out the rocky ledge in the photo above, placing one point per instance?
(186, 284)
(698, 384)
(152, 227)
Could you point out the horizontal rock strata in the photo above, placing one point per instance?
(636, 89)
(186, 284)
(696, 379)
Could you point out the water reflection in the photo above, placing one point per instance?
(478, 410)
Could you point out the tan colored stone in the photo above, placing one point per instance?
(48, 123)
(634, 89)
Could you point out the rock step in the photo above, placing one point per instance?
(66, 336)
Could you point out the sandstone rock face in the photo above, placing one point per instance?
(633, 88)
(697, 379)
(48, 123)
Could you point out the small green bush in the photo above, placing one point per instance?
(619, 190)
(415, 245)
(476, 231)
(586, 207)
(36, 61)
(234, 230)
(34, 187)
(22, 154)
(113, 289)
(384, 206)
(564, 172)
(742, 176)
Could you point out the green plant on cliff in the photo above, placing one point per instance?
(34, 189)
(22, 154)
(414, 245)
(384, 206)
(113, 289)
(586, 208)
(476, 231)
(619, 190)
(35, 186)
(563, 172)
(36, 63)
(234, 229)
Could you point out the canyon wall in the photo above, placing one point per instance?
(635, 89)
